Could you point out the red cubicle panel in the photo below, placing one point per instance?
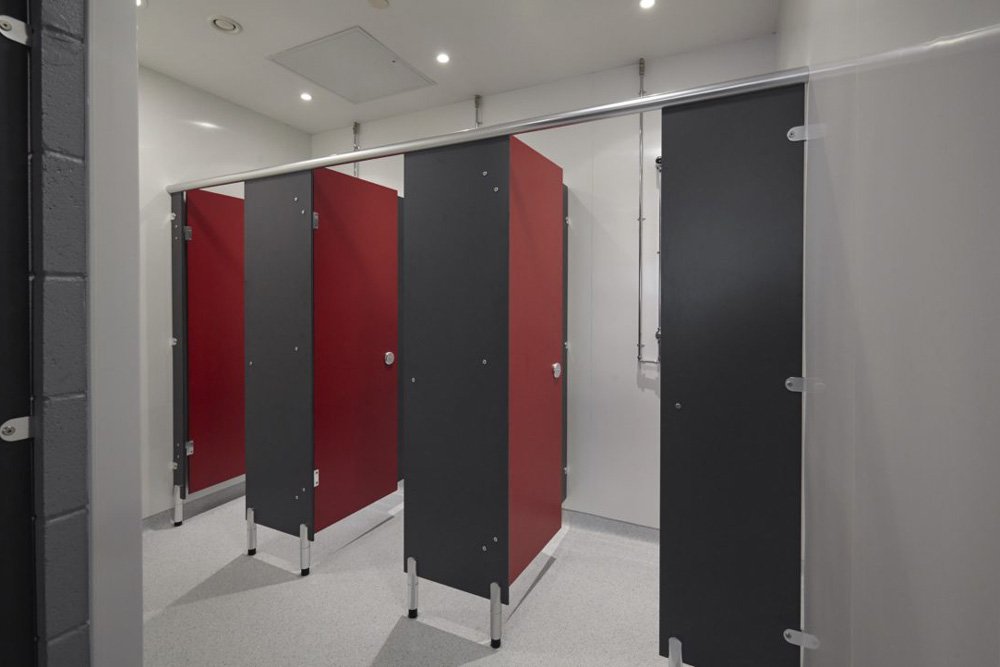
(355, 308)
(536, 343)
(215, 338)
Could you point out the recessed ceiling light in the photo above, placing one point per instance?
(647, 4)
(140, 3)
(225, 24)
(443, 58)
(306, 97)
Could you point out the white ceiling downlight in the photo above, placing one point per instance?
(647, 4)
(443, 58)
(306, 97)
(225, 24)
(353, 65)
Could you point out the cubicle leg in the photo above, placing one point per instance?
(496, 615)
(251, 533)
(304, 555)
(675, 658)
(178, 506)
(411, 581)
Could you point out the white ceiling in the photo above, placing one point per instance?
(495, 45)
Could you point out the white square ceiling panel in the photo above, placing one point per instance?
(354, 65)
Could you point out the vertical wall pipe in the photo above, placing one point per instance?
(478, 101)
(640, 346)
(357, 147)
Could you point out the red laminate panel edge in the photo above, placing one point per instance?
(535, 395)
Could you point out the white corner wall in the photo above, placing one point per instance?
(184, 134)
(115, 555)
(614, 446)
(902, 443)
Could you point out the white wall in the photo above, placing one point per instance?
(614, 446)
(114, 298)
(902, 444)
(184, 133)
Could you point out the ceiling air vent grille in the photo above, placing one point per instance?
(353, 65)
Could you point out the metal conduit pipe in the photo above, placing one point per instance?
(642, 214)
(562, 119)
(357, 147)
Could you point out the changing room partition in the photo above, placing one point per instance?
(731, 414)
(355, 300)
(321, 342)
(216, 426)
(207, 309)
(483, 349)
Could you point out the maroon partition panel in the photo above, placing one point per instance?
(535, 344)
(355, 302)
(215, 338)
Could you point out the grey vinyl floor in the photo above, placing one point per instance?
(589, 599)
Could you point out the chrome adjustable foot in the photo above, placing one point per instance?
(411, 585)
(251, 533)
(304, 555)
(496, 615)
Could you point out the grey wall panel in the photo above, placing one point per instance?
(178, 269)
(455, 309)
(279, 326)
(732, 248)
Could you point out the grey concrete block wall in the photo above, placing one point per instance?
(59, 297)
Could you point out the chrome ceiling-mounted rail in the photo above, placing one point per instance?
(561, 119)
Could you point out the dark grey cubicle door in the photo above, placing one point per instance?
(454, 348)
(17, 578)
(731, 282)
(278, 214)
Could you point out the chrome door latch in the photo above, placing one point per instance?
(557, 370)
(390, 358)
(16, 429)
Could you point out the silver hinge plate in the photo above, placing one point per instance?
(315, 478)
(803, 639)
(806, 132)
(14, 30)
(797, 385)
(189, 447)
(188, 233)
(16, 429)
(315, 219)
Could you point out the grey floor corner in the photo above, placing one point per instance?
(590, 599)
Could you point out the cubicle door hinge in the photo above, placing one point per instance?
(315, 478)
(189, 447)
(809, 385)
(802, 639)
(796, 384)
(16, 429)
(806, 132)
(188, 233)
(315, 219)
(14, 30)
